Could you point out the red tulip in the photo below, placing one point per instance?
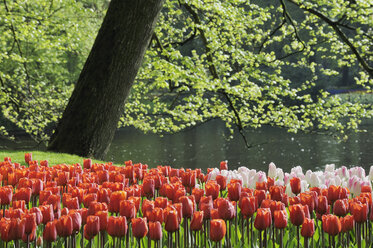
(224, 165)
(222, 181)
(217, 230)
(115, 199)
(276, 205)
(29, 238)
(161, 202)
(308, 228)
(322, 204)
(128, 209)
(117, 226)
(103, 195)
(38, 214)
(92, 227)
(72, 203)
(171, 220)
(155, 215)
(331, 224)
(307, 199)
(212, 188)
(147, 206)
(28, 158)
(226, 209)
(198, 193)
(44, 195)
(295, 185)
(359, 211)
(263, 218)
(234, 191)
(276, 193)
(50, 232)
(148, 187)
(294, 200)
(76, 218)
(88, 198)
(347, 223)
(55, 201)
(139, 227)
(260, 196)
(188, 206)
(248, 206)
(214, 214)
(155, 230)
(340, 207)
(6, 195)
(87, 163)
(297, 214)
(333, 194)
(23, 194)
(197, 221)
(19, 205)
(47, 212)
(280, 219)
(64, 226)
(104, 218)
(206, 205)
(261, 186)
(103, 176)
(63, 178)
(30, 223)
(94, 207)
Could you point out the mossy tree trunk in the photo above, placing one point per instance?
(91, 117)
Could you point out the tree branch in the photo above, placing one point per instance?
(271, 34)
(340, 34)
(12, 28)
(215, 75)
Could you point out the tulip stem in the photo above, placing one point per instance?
(139, 242)
(251, 232)
(128, 235)
(260, 239)
(305, 242)
(248, 231)
(298, 236)
(281, 238)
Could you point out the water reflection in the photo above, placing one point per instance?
(206, 145)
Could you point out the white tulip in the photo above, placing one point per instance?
(272, 171)
(330, 167)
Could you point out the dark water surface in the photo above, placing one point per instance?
(207, 145)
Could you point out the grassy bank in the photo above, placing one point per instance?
(52, 157)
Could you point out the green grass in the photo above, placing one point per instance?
(52, 157)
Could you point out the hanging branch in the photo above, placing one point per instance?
(12, 28)
(214, 73)
(335, 25)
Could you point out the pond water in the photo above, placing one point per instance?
(207, 145)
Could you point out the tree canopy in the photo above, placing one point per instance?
(248, 63)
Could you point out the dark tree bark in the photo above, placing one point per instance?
(91, 117)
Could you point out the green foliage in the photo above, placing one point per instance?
(43, 47)
(248, 63)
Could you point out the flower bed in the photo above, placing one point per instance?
(102, 205)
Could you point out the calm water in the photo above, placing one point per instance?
(206, 145)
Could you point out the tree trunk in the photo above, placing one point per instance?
(91, 117)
